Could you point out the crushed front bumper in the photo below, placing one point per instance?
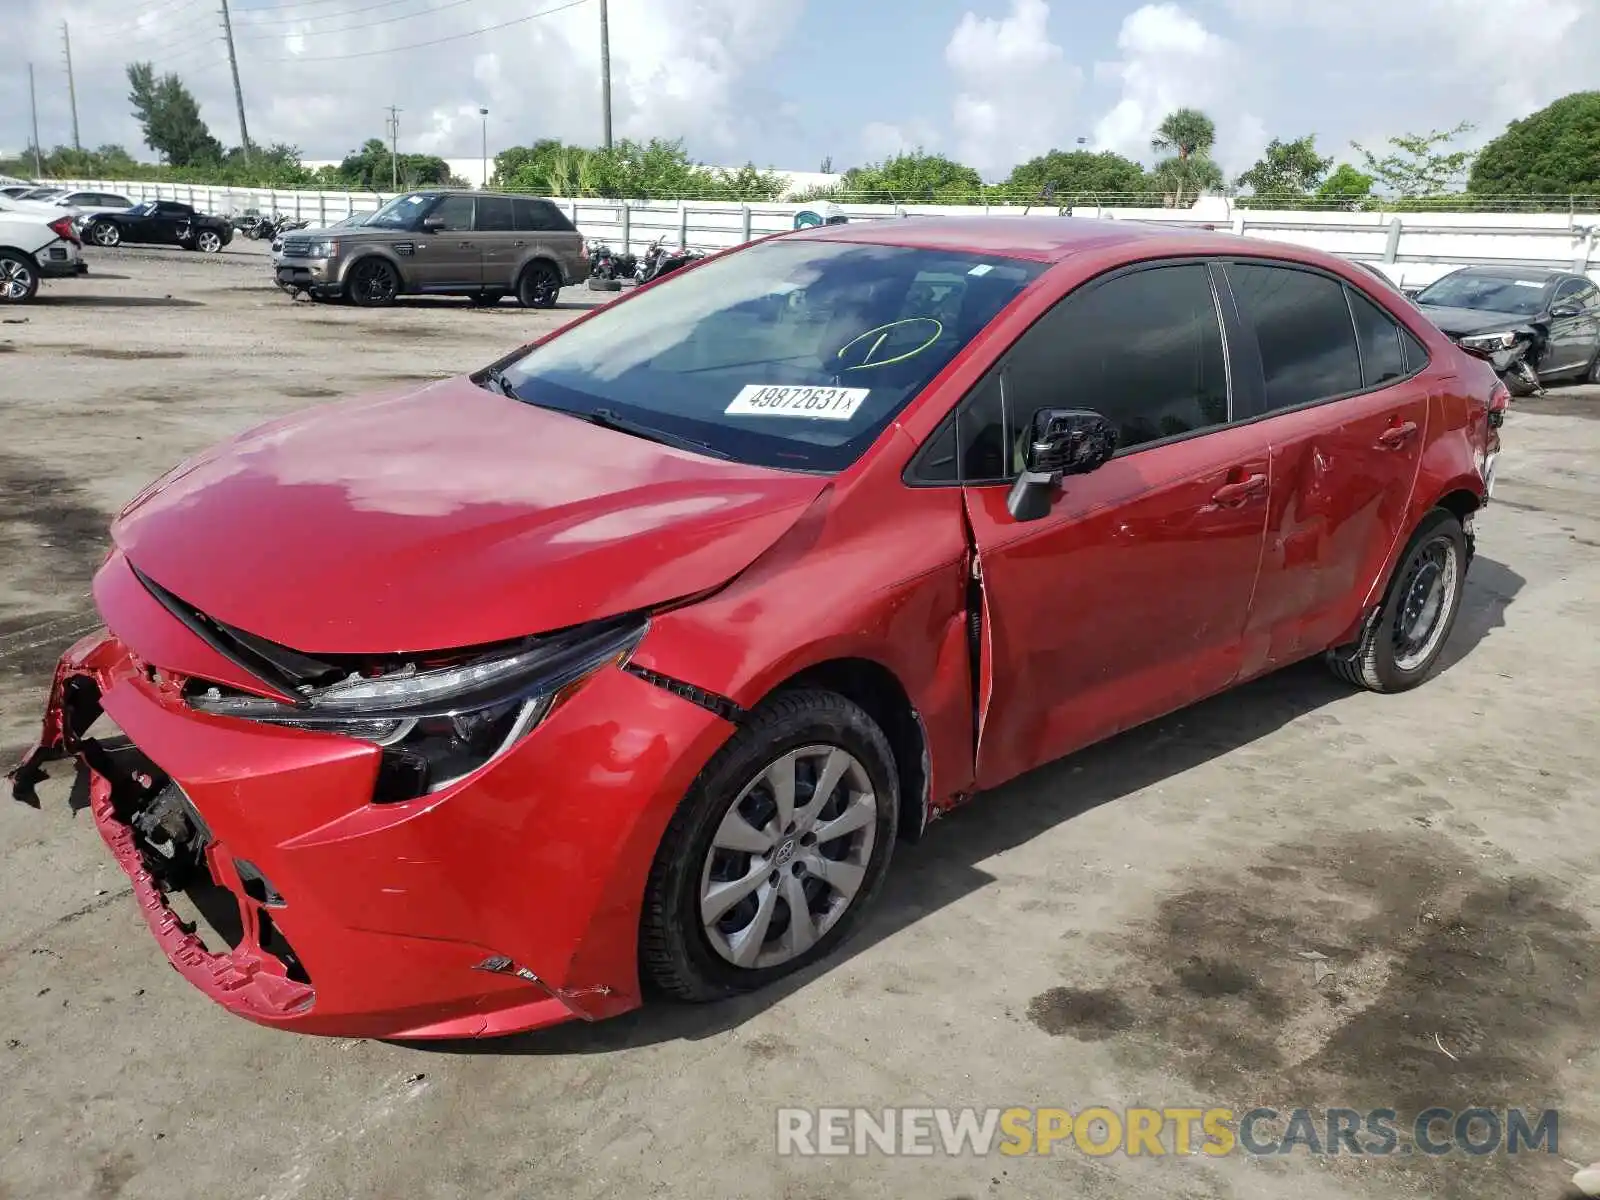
(506, 903)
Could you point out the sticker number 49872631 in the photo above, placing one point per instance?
(824, 403)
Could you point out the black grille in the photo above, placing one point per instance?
(297, 247)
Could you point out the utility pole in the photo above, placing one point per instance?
(33, 102)
(484, 113)
(238, 92)
(393, 124)
(605, 70)
(72, 91)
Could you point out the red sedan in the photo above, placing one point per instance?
(628, 660)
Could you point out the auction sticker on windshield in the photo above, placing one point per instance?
(825, 403)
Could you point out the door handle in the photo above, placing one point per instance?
(1238, 493)
(1396, 436)
(519, 242)
(466, 245)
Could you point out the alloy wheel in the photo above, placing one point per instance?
(373, 284)
(209, 241)
(16, 280)
(788, 857)
(107, 234)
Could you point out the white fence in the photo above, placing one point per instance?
(1412, 248)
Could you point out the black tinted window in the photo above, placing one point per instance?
(494, 214)
(1145, 350)
(534, 216)
(455, 211)
(1383, 357)
(986, 448)
(1308, 343)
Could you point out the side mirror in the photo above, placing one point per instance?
(1562, 312)
(1411, 293)
(1061, 442)
(432, 224)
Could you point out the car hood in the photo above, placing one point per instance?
(1459, 322)
(446, 517)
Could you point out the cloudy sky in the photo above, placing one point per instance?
(787, 83)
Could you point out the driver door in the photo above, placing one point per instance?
(1129, 598)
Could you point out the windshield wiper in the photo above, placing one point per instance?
(608, 418)
(494, 380)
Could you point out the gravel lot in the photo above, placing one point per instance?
(1122, 928)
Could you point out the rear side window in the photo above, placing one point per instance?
(540, 216)
(1304, 329)
(1383, 356)
(1143, 350)
(494, 214)
(116, 201)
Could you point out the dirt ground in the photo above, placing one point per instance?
(1123, 928)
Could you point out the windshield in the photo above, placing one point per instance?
(788, 354)
(401, 212)
(1492, 293)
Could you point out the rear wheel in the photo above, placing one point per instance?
(1594, 367)
(372, 282)
(776, 851)
(1399, 650)
(105, 233)
(19, 278)
(538, 286)
(208, 241)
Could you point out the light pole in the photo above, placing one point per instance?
(484, 113)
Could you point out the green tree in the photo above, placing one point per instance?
(1186, 136)
(373, 168)
(1419, 164)
(1346, 187)
(916, 177)
(1286, 171)
(170, 117)
(1556, 151)
(1063, 175)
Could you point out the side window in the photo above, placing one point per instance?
(1144, 350)
(985, 449)
(1576, 291)
(1305, 332)
(1416, 352)
(1383, 357)
(494, 214)
(116, 201)
(457, 213)
(537, 216)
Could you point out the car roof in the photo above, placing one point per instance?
(1494, 272)
(1052, 239)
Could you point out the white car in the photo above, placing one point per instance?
(34, 247)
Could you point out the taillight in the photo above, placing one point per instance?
(1499, 401)
(62, 228)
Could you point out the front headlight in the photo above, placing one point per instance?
(438, 726)
(323, 248)
(1490, 341)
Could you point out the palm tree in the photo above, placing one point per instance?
(1187, 135)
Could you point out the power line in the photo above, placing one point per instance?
(349, 12)
(454, 37)
(273, 37)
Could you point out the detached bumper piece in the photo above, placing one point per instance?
(163, 845)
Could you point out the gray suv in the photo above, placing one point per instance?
(477, 244)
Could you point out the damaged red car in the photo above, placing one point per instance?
(626, 662)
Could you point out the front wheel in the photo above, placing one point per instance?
(372, 283)
(105, 233)
(775, 852)
(208, 241)
(19, 278)
(538, 286)
(1399, 650)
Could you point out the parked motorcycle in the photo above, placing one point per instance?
(658, 260)
(603, 269)
(676, 260)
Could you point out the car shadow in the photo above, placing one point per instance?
(944, 867)
(61, 300)
(506, 305)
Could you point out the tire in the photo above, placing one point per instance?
(538, 286)
(815, 731)
(1593, 375)
(372, 282)
(19, 277)
(1387, 659)
(1517, 385)
(106, 234)
(208, 241)
(605, 285)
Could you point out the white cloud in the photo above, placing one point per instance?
(1170, 60)
(880, 140)
(1016, 90)
(677, 70)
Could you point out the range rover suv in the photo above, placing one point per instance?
(476, 244)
